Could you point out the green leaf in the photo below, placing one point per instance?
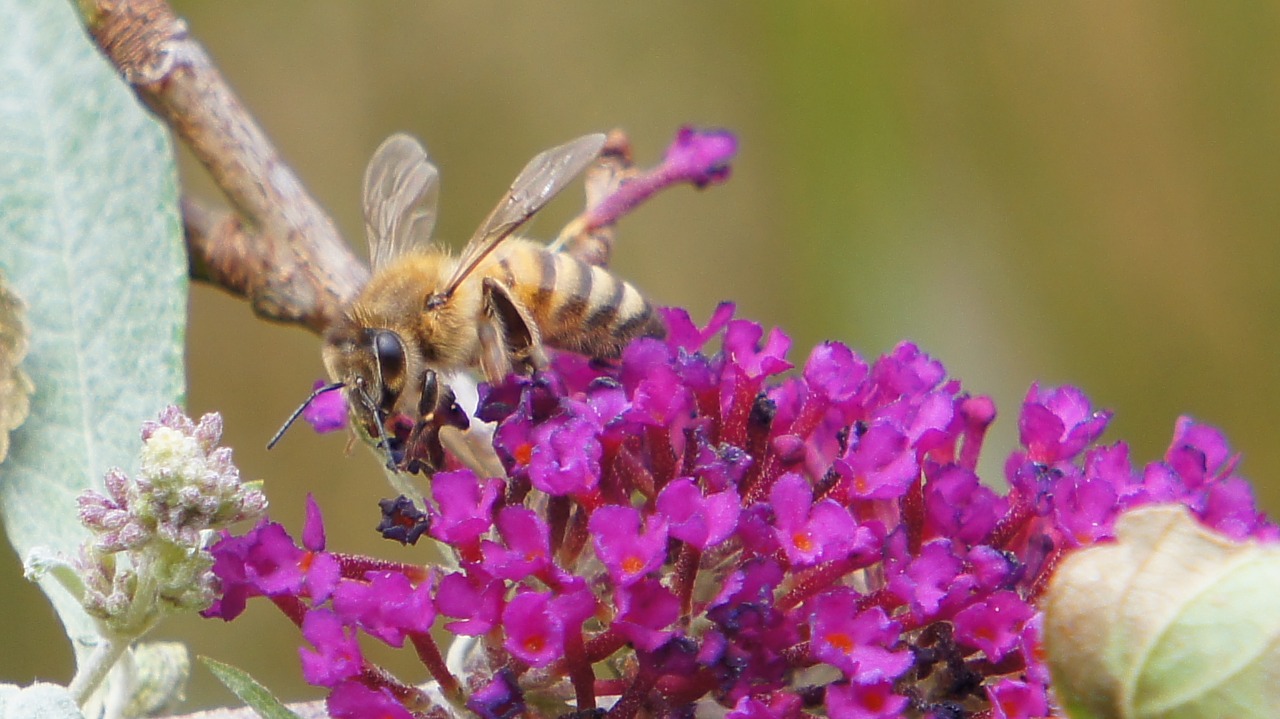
(91, 240)
(38, 701)
(249, 690)
(1171, 621)
(161, 670)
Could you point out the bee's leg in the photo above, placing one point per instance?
(518, 333)
(495, 361)
(437, 408)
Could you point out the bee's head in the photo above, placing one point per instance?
(372, 365)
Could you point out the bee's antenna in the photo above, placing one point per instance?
(302, 408)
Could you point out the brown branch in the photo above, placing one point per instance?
(281, 250)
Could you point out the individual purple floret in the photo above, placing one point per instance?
(336, 655)
(326, 412)
(699, 157)
(353, 700)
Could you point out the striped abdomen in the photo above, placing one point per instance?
(577, 307)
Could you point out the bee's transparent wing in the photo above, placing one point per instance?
(540, 180)
(401, 187)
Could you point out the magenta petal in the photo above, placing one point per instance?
(313, 527)
(682, 333)
(1011, 699)
(534, 634)
(353, 700)
(835, 371)
(701, 156)
(474, 597)
(864, 701)
(698, 520)
(336, 656)
(995, 624)
(327, 412)
(464, 506)
(627, 551)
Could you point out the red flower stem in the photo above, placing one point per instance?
(292, 607)
(354, 566)
(557, 521)
(694, 438)
(913, 514)
(686, 572)
(371, 674)
(810, 415)
(683, 689)
(1041, 582)
(375, 677)
(734, 425)
(496, 655)
(762, 473)
(633, 697)
(602, 645)
(975, 429)
(610, 687)
(882, 598)
(580, 673)
(797, 655)
(821, 577)
(708, 402)
(575, 537)
(1013, 522)
(518, 488)
(429, 653)
(634, 474)
(663, 455)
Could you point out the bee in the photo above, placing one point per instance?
(495, 307)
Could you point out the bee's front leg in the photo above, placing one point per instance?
(437, 408)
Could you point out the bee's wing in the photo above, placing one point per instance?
(540, 180)
(400, 191)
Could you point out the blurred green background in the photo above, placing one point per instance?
(1076, 194)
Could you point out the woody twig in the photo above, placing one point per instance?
(277, 248)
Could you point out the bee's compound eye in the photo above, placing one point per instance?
(390, 352)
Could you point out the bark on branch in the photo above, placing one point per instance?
(279, 249)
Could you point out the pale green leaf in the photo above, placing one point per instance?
(1171, 621)
(91, 240)
(161, 670)
(38, 701)
(249, 690)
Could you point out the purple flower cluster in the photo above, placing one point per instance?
(693, 527)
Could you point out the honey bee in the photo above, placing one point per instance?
(494, 308)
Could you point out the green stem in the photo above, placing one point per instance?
(89, 675)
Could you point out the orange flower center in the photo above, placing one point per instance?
(632, 565)
(840, 641)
